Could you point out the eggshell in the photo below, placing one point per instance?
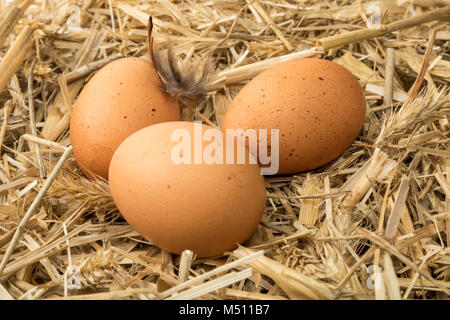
(121, 98)
(318, 106)
(207, 208)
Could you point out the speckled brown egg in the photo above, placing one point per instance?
(121, 98)
(206, 208)
(318, 106)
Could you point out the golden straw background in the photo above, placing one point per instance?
(373, 224)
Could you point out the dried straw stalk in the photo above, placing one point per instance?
(359, 35)
(384, 203)
(33, 207)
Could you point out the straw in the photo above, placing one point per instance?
(384, 203)
(33, 206)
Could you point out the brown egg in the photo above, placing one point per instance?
(121, 98)
(207, 208)
(318, 106)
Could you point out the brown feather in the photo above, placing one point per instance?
(177, 80)
(180, 80)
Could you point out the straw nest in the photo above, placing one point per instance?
(373, 224)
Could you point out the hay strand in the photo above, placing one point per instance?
(372, 224)
(33, 206)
